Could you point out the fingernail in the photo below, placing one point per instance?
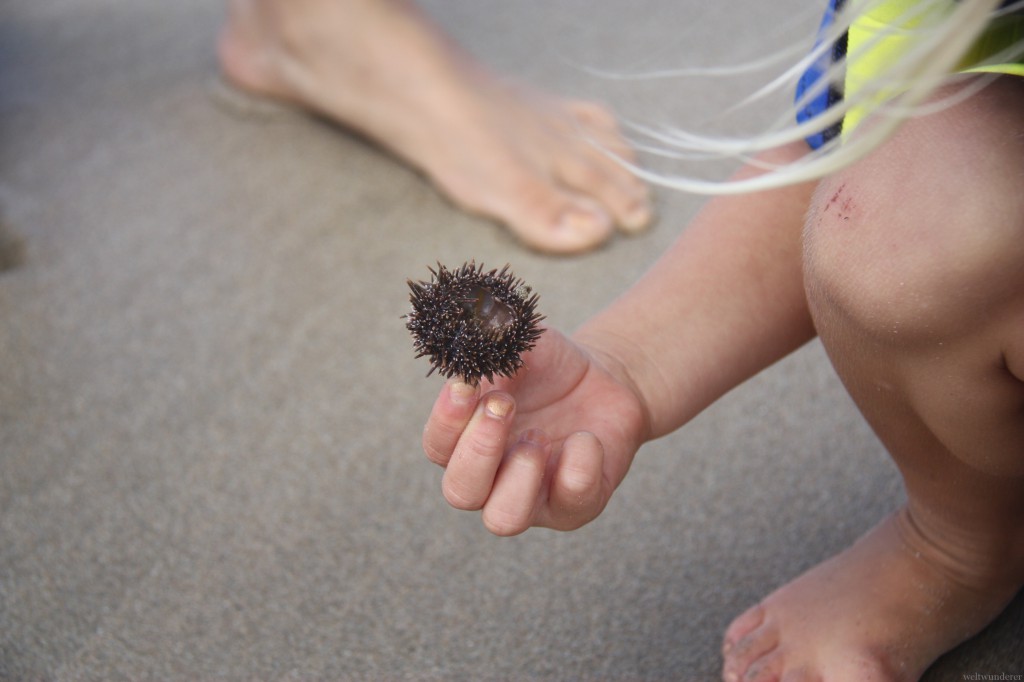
(498, 406)
(460, 392)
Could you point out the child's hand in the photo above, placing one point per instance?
(546, 448)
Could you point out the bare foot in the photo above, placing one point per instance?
(378, 66)
(884, 609)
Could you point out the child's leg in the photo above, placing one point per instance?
(914, 268)
(381, 68)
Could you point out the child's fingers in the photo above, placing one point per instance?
(578, 490)
(448, 419)
(510, 508)
(470, 472)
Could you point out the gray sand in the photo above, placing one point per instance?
(210, 411)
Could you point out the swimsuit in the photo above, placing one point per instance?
(888, 19)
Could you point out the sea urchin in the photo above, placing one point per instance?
(472, 323)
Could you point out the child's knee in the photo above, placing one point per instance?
(926, 235)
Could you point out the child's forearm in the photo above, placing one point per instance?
(724, 302)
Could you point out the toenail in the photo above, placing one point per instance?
(584, 220)
(638, 216)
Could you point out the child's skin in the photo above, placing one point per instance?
(910, 267)
(383, 69)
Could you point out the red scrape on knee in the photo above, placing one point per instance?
(845, 208)
(835, 197)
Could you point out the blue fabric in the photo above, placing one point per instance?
(828, 96)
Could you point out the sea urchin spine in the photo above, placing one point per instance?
(472, 323)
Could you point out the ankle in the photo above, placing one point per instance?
(981, 562)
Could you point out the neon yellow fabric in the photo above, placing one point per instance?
(892, 25)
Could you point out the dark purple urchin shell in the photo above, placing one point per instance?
(472, 323)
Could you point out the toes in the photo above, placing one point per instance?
(581, 223)
(742, 626)
(753, 653)
(552, 220)
(565, 191)
(554, 186)
(754, 658)
(750, 649)
(804, 675)
(593, 115)
(604, 180)
(597, 172)
(767, 668)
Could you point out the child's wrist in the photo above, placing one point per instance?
(623, 360)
